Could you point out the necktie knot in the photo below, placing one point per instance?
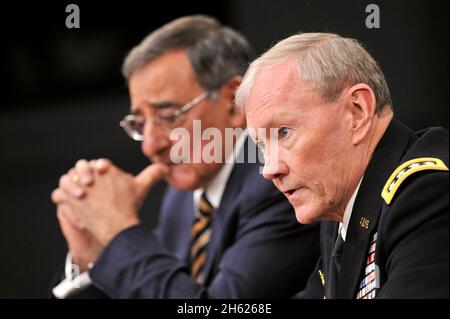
(205, 209)
(337, 252)
(338, 246)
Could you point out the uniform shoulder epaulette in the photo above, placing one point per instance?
(406, 169)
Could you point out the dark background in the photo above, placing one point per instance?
(63, 95)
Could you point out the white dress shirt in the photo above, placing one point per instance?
(216, 186)
(343, 226)
(73, 282)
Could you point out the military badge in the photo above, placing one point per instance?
(371, 279)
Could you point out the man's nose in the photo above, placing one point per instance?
(274, 167)
(155, 139)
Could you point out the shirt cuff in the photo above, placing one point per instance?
(73, 282)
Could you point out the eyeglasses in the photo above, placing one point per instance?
(134, 124)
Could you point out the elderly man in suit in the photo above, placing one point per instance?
(381, 189)
(224, 231)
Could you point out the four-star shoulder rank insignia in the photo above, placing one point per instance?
(406, 169)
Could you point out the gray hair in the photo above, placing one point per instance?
(329, 61)
(216, 53)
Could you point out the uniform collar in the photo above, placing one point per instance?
(363, 222)
(348, 212)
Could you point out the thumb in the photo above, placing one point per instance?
(149, 176)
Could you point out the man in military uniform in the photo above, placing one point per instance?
(339, 156)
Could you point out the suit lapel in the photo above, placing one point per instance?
(225, 218)
(223, 227)
(177, 212)
(364, 220)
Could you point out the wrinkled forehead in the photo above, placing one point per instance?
(276, 90)
(273, 81)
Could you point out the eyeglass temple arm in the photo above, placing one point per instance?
(195, 101)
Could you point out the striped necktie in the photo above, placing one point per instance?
(200, 236)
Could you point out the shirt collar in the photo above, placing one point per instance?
(216, 187)
(343, 226)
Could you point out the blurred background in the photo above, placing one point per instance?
(63, 95)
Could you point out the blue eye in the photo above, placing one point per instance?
(284, 131)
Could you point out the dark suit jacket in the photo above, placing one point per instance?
(257, 249)
(411, 243)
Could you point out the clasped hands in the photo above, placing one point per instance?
(96, 201)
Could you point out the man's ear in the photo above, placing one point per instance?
(228, 92)
(362, 105)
